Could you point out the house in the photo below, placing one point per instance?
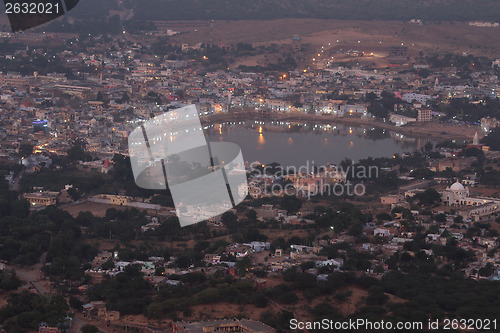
(302, 248)
(150, 226)
(381, 232)
(95, 308)
(41, 199)
(102, 257)
(400, 120)
(353, 109)
(390, 199)
(238, 250)
(337, 263)
(43, 328)
(212, 258)
(431, 238)
(259, 246)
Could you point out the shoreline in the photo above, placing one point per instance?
(432, 130)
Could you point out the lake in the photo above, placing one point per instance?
(295, 144)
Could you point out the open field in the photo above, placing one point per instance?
(373, 36)
(98, 209)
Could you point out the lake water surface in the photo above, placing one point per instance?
(293, 144)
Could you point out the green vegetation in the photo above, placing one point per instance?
(492, 139)
(86, 181)
(9, 280)
(128, 292)
(25, 311)
(462, 109)
(89, 329)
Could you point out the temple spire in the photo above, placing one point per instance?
(475, 141)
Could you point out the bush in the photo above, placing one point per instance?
(288, 297)
(89, 329)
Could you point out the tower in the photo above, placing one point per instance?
(475, 140)
(296, 43)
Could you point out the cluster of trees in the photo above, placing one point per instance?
(89, 182)
(444, 295)
(42, 63)
(427, 296)
(462, 63)
(9, 280)
(492, 139)
(25, 311)
(24, 237)
(381, 107)
(128, 292)
(463, 110)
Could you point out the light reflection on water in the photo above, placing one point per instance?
(293, 144)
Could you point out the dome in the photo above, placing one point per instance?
(457, 187)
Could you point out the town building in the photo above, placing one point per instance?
(241, 325)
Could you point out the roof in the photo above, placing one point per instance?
(250, 325)
(457, 187)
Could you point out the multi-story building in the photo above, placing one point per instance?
(424, 115)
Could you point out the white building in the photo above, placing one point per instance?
(455, 195)
(381, 232)
(400, 120)
(410, 97)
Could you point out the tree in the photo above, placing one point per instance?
(487, 270)
(429, 197)
(75, 302)
(493, 139)
(441, 218)
(291, 203)
(251, 215)
(89, 329)
(73, 192)
(77, 151)
(288, 297)
(125, 98)
(25, 150)
(230, 221)
(356, 229)
(244, 264)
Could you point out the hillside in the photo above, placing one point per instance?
(439, 10)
